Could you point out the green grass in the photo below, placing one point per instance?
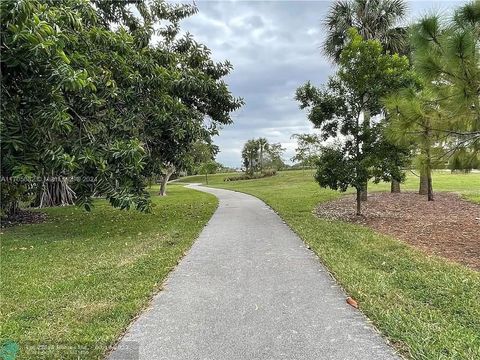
(81, 277)
(466, 184)
(473, 197)
(428, 307)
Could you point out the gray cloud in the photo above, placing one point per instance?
(274, 47)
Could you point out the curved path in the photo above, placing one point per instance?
(250, 289)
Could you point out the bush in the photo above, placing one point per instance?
(241, 177)
(269, 172)
(265, 173)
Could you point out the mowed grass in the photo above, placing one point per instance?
(427, 307)
(465, 184)
(79, 279)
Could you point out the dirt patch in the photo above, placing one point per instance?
(23, 217)
(448, 226)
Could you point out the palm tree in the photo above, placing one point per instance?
(263, 146)
(374, 19)
(250, 155)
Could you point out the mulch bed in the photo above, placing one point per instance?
(23, 217)
(448, 226)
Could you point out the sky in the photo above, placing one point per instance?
(274, 47)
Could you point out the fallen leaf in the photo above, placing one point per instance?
(352, 302)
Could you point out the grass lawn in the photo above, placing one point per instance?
(427, 307)
(80, 278)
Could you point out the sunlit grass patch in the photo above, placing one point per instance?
(80, 277)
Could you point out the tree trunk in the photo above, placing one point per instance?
(359, 202)
(364, 192)
(395, 186)
(163, 186)
(261, 159)
(365, 124)
(206, 178)
(429, 186)
(12, 205)
(55, 193)
(423, 189)
(13, 208)
(429, 176)
(163, 183)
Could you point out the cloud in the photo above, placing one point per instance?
(274, 47)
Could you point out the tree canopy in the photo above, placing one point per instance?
(259, 154)
(308, 149)
(91, 102)
(447, 55)
(373, 19)
(442, 114)
(364, 75)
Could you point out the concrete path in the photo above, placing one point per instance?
(250, 289)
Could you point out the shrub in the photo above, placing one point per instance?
(269, 172)
(265, 173)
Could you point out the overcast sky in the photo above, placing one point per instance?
(274, 48)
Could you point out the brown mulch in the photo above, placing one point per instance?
(448, 226)
(23, 217)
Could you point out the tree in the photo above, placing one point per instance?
(371, 74)
(389, 157)
(251, 155)
(373, 19)
(60, 69)
(199, 93)
(259, 152)
(198, 100)
(84, 99)
(365, 74)
(447, 57)
(308, 149)
(202, 159)
(416, 118)
(464, 160)
(263, 147)
(208, 167)
(274, 156)
(442, 116)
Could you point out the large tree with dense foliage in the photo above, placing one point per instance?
(365, 73)
(88, 96)
(61, 72)
(199, 99)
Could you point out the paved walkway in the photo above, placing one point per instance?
(249, 289)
